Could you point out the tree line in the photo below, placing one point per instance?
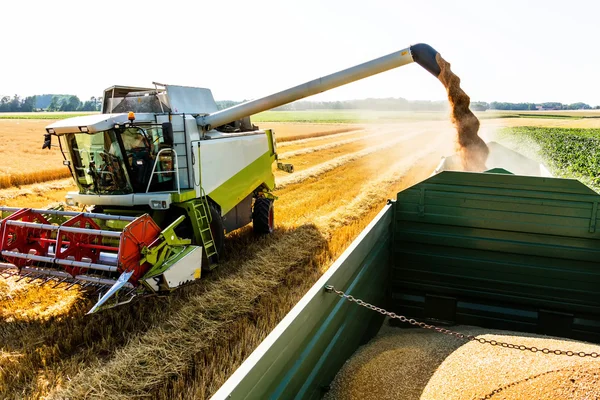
(73, 103)
(495, 105)
(56, 103)
(400, 104)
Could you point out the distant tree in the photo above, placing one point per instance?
(28, 104)
(15, 104)
(579, 106)
(221, 104)
(89, 105)
(5, 104)
(74, 103)
(553, 105)
(494, 105)
(479, 106)
(54, 104)
(71, 103)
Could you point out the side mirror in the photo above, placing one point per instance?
(47, 141)
(167, 130)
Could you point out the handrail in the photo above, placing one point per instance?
(175, 170)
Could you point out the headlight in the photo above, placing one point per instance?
(159, 205)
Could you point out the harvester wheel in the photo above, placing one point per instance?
(263, 216)
(218, 232)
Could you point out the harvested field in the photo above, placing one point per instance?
(311, 164)
(308, 169)
(188, 344)
(422, 364)
(289, 131)
(333, 138)
(380, 135)
(257, 283)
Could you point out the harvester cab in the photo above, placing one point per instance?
(164, 174)
(159, 194)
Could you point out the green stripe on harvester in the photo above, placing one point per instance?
(185, 195)
(239, 186)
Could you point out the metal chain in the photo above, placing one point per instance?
(457, 335)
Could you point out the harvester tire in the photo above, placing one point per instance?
(218, 232)
(263, 216)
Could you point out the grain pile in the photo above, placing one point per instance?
(419, 364)
(471, 147)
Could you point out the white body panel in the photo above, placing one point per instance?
(185, 270)
(95, 123)
(222, 158)
(127, 200)
(185, 99)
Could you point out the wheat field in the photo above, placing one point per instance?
(186, 345)
(22, 160)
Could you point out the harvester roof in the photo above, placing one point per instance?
(93, 123)
(162, 98)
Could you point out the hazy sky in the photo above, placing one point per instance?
(530, 51)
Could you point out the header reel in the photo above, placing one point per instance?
(113, 256)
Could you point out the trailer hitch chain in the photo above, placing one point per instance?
(457, 335)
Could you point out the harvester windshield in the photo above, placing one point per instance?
(120, 161)
(98, 163)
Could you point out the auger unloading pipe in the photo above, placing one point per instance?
(422, 54)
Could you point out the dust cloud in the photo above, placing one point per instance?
(472, 149)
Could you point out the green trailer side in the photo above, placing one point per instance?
(499, 251)
(493, 250)
(302, 354)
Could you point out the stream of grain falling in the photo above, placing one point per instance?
(471, 147)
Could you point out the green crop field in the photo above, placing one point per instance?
(569, 152)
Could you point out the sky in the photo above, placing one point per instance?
(514, 51)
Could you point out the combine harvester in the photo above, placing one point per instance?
(164, 175)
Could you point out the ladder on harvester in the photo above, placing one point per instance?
(204, 218)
